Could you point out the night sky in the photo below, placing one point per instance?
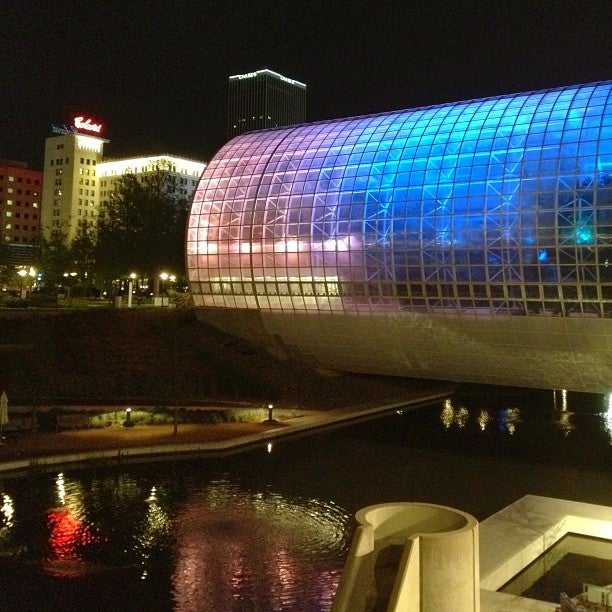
(155, 73)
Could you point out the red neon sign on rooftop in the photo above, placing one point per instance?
(82, 123)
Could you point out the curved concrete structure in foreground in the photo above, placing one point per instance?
(410, 556)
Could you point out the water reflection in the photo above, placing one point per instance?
(7, 510)
(61, 488)
(234, 546)
(67, 535)
(484, 418)
(564, 422)
(507, 420)
(68, 532)
(154, 534)
(453, 416)
(218, 545)
(560, 399)
(6, 521)
(270, 530)
(607, 416)
(563, 416)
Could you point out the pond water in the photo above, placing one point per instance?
(269, 529)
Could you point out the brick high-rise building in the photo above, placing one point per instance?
(20, 203)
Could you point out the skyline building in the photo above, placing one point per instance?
(78, 179)
(70, 195)
(181, 174)
(469, 241)
(264, 99)
(20, 209)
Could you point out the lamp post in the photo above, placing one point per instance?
(270, 408)
(164, 277)
(131, 280)
(69, 276)
(128, 418)
(22, 292)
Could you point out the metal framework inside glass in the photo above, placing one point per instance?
(499, 205)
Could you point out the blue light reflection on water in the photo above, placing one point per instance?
(270, 529)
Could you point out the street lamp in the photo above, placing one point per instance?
(23, 273)
(164, 277)
(128, 418)
(131, 280)
(270, 408)
(69, 276)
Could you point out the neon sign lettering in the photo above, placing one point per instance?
(86, 124)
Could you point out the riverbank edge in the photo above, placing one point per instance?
(300, 425)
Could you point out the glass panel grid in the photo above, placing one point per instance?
(416, 210)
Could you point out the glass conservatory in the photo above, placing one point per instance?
(498, 207)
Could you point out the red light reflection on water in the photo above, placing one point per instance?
(67, 534)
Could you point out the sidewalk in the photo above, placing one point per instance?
(37, 450)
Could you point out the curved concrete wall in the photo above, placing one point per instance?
(573, 353)
(410, 556)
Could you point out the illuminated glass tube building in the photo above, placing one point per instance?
(469, 241)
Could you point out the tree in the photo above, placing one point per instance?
(55, 257)
(7, 268)
(82, 254)
(141, 227)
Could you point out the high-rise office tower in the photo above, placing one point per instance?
(70, 194)
(264, 99)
